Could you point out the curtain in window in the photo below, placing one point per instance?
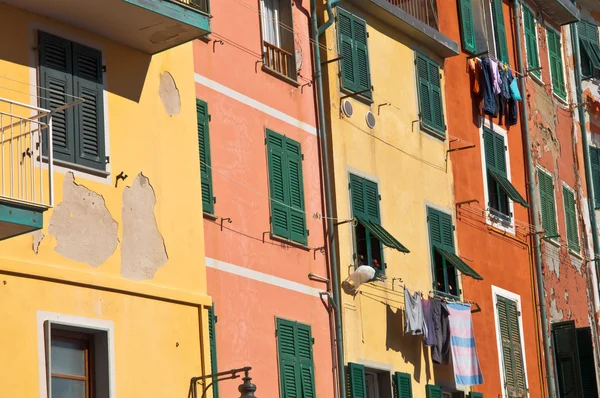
(270, 21)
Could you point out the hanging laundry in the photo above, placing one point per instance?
(513, 109)
(495, 74)
(440, 352)
(514, 89)
(413, 314)
(363, 274)
(489, 100)
(465, 361)
(503, 97)
(475, 70)
(430, 339)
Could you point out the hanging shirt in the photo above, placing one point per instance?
(489, 99)
(495, 74)
(465, 361)
(475, 70)
(430, 339)
(440, 352)
(413, 314)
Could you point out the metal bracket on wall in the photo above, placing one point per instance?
(354, 94)
(229, 375)
(534, 69)
(225, 219)
(380, 105)
(217, 41)
(260, 61)
(309, 84)
(339, 58)
(460, 148)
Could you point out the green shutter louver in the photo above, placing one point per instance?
(548, 207)
(431, 105)
(467, 26)
(289, 368)
(402, 385)
(499, 31)
(356, 376)
(556, 63)
(212, 337)
(531, 46)
(571, 219)
(304, 342)
(512, 353)
(352, 38)
(566, 357)
(595, 162)
(589, 43)
(433, 391)
(202, 118)
(441, 231)
(473, 394)
(585, 348)
(286, 188)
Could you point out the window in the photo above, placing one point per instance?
(566, 357)
(67, 70)
(352, 37)
(500, 46)
(375, 383)
(286, 188)
(212, 339)
(441, 237)
(278, 37)
(203, 118)
(589, 49)
(433, 391)
(531, 41)
(548, 204)
(585, 348)
(571, 219)
(508, 323)
(402, 385)
(488, 27)
(473, 394)
(431, 107)
(76, 362)
(595, 161)
(556, 63)
(295, 353)
(467, 30)
(499, 187)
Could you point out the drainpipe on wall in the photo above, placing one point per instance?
(316, 32)
(534, 211)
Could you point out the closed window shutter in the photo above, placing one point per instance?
(595, 161)
(424, 91)
(304, 345)
(433, 391)
(357, 189)
(371, 195)
(571, 219)
(567, 359)
(56, 87)
(556, 63)
(289, 368)
(346, 43)
(212, 336)
(361, 52)
(204, 153)
(87, 84)
(430, 95)
(441, 231)
(358, 386)
(512, 356)
(402, 385)
(530, 27)
(297, 216)
(278, 183)
(467, 27)
(586, 362)
(473, 394)
(499, 31)
(547, 203)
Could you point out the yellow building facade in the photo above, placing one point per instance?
(385, 142)
(102, 273)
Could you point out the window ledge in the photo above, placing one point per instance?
(77, 167)
(575, 254)
(289, 242)
(560, 99)
(536, 79)
(431, 132)
(278, 75)
(552, 241)
(359, 98)
(209, 216)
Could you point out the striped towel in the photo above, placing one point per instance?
(462, 341)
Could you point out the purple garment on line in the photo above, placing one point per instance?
(495, 77)
(430, 338)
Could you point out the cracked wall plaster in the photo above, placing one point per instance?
(577, 263)
(37, 239)
(143, 249)
(169, 94)
(551, 253)
(555, 314)
(82, 225)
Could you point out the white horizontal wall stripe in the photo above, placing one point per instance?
(262, 277)
(205, 81)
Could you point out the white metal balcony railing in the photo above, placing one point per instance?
(25, 175)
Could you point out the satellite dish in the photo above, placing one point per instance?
(370, 118)
(347, 108)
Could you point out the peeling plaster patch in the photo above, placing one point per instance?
(555, 314)
(143, 249)
(37, 239)
(169, 94)
(552, 256)
(566, 296)
(577, 263)
(83, 226)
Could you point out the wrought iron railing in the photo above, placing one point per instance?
(278, 60)
(423, 10)
(200, 5)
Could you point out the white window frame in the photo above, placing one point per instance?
(491, 219)
(537, 43)
(541, 169)
(266, 21)
(78, 322)
(564, 101)
(565, 185)
(497, 291)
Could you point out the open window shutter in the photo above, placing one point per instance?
(467, 25)
(424, 90)
(586, 362)
(357, 189)
(89, 116)
(297, 219)
(363, 77)
(571, 219)
(212, 337)
(507, 352)
(595, 161)
(489, 145)
(289, 375)
(441, 230)
(567, 359)
(556, 63)
(447, 232)
(433, 391)
(437, 106)
(533, 60)
(204, 152)
(402, 385)
(56, 82)
(499, 31)
(304, 345)
(515, 338)
(371, 195)
(547, 203)
(358, 386)
(278, 185)
(500, 154)
(346, 43)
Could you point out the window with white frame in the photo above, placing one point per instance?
(278, 37)
(530, 33)
(488, 32)
(555, 57)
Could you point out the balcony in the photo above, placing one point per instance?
(416, 18)
(25, 182)
(560, 11)
(150, 26)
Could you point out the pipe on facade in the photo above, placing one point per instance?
(316, 32)
(533, 207)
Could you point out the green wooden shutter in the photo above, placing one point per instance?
(212, 337)
(430, 95)
(530, 28)
(297, 222)
(357, 189)
(433, 391)
(371, 195)
(358, 385)
(556, 63)
(595, 161)
(586, 362)
(56, 76)
(499, 31)
(441, 231)
(571, 219)
(424, 90)
(547, 203)
(512, 353)
(402, 385)
(347, 50)
(495, 151)
(289, 368)
(278, 185)
(567, 359)
(89, 116)
(467, 26)
(304, 343)
(202, 117)
(474, 394)
(361, 51)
